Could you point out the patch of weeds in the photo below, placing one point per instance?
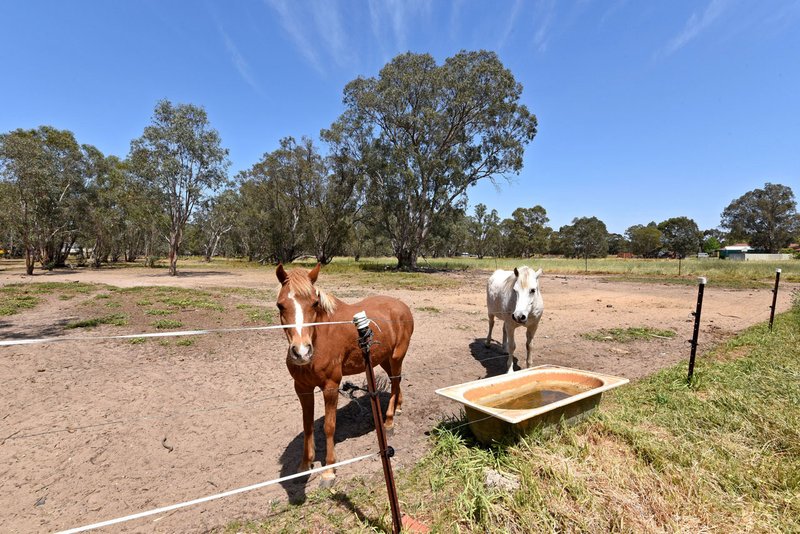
(192, 303)
(137, 341)
(186, 342)
(164, 324)
(163, 342)
(117, 319)
(159, 312)
(103, 296)
(12, 302)
(144, 302)
(429, 309)
(256, 314)
(113, 304)
(66, 297)
(626, 335)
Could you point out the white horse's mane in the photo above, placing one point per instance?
(526, 276)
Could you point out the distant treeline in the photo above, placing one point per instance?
(393, 180)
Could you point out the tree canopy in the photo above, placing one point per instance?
(766, 218)
(423, 133)
(180, 157)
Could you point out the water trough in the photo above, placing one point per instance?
(544, 395)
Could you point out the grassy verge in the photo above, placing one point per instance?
(722, 455)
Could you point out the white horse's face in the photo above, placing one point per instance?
(526, 288)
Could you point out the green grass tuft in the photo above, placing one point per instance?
(117, 319)
(165, 324)
(626, 335)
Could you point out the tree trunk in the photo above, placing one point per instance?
(28, 260)
(174, 245)
(406, 260)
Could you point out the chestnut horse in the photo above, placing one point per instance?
(319, 356)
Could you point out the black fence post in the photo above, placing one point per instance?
(774, 298)
(701, 286)
(364, 339)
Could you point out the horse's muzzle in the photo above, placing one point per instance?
(300, 355)
(519, 317)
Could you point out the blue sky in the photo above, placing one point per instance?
(647, 110)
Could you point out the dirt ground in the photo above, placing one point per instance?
(85, 426)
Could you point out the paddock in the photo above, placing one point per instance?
(87, 427)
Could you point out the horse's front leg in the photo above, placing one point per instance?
(306, 396)
(508, 338)
(331, 395)
(529, 342)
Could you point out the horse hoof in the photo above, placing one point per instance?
(398, 411)
(327, 480)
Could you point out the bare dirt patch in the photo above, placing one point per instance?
(86, 426)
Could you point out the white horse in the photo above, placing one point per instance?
(515, 298)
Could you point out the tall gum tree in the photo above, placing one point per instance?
(767, 218)
(422, 134)
(180, 159)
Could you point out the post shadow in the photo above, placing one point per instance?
(352, 420)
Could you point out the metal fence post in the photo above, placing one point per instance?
(364, 339)
(696, 313)
(774, 298)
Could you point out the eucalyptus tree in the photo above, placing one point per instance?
(586, 237)
(216, 217)
(423, 134)
(180, 159)
(277, 192)
(44, 170)
(681, 236)
(526, 232)
(766, 218)
(335, 202)
(484, 230)
(645, 240)
(104, 223)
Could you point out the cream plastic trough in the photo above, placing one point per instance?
(542, 395)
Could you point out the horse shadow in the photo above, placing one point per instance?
(352, 420)
(492, 358)
(55, 329)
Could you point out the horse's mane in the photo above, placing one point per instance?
(300, 284)
(525, 276)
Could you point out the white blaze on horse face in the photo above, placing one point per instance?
(298, 346)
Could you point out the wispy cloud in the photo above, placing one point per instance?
(329, 27)
(241, 65)
(297, 30)
(696, 24)
(400, 14)
(509, 26)
(544, 14)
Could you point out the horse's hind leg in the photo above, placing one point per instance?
(394, 368)
(489, 335)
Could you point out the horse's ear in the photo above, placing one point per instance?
(538, 273)
(516, 272)
(280, 272)
(314, 273)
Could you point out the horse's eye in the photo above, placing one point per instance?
(533, 291)
(316, 303)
